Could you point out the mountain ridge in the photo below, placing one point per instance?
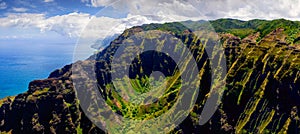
(262, 85)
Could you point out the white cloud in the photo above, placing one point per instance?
(104, 26)
(69, 24)
(3, 5)
(48, 1)
(99, 3)
(72, 24)
(19, 9)
(154, 11)
(209, 9)
(24, 20)
(16, 37)
(249, 9)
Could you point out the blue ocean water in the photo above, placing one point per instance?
(22, 62)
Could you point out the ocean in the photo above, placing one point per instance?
(22, 62)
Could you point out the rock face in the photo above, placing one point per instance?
(262, 92)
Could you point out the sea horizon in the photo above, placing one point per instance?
(22, 62)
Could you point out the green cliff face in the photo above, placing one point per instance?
(262, 93)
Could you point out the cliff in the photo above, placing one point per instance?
(262, 93)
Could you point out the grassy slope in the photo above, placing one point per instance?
(244, 28)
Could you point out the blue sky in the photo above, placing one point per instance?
(48, 7)
(73, 19)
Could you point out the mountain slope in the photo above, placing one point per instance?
(262, 92)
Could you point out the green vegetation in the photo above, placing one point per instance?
(7, 99)
(38, 92)
(243, 28)
(242, 33)
(175, 27)
(79, 130)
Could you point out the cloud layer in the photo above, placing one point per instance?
(69, 24)
(21, 9)
(212, 9)
(145, 11)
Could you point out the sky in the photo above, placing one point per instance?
(64, 20)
